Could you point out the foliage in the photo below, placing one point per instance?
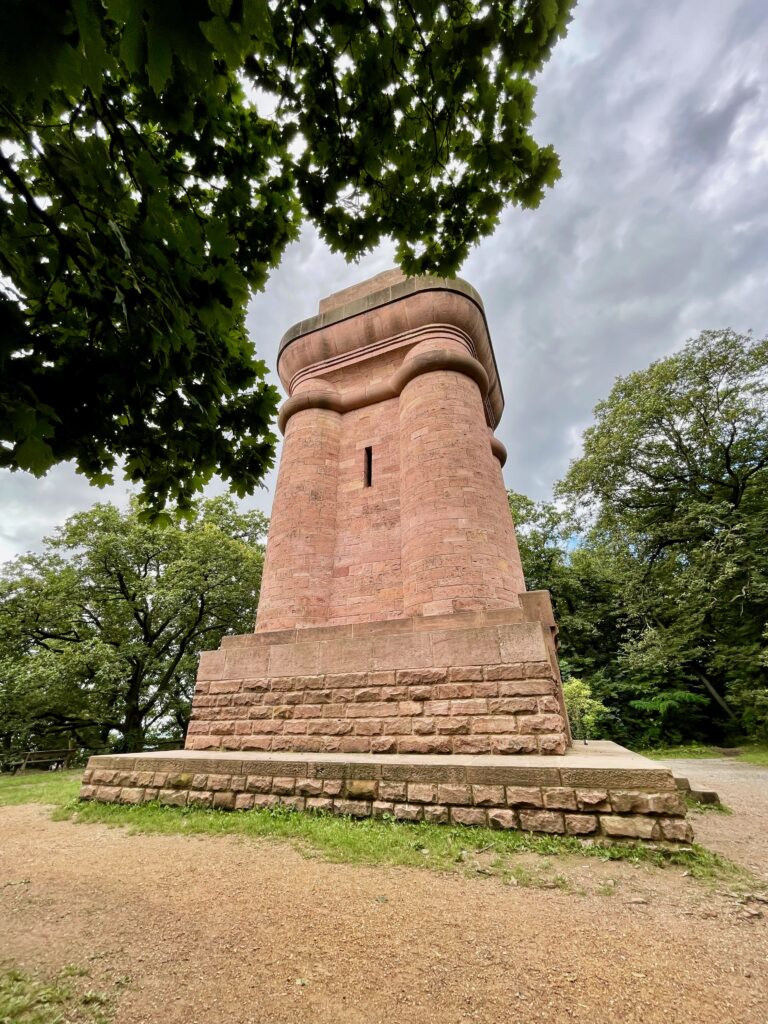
(660, 583)
(157, 156)
(25, 999)
(101, 633)
(585, 714)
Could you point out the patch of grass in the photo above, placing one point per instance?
(754, 753)
(688, 750)
(28, 1000)
(749, 753)
(696, 805)
(372, 841)
(39, 788)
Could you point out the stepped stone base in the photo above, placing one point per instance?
(598, 790)
(471, 682)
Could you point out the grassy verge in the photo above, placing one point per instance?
(368, 841)
(749, 753)
(64, 999)
(39, 788)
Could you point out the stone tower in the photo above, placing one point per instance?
(393, 615)
(389, 500)
(397, 658)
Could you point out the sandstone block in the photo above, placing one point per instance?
(426, 726)
(469, 816)
(676, 830)
(560, 798)
(130, 795)
(630, 826)
(421, 676)
(552, 744)
(499, 818)
(380, 808)
(511, 705)
(319, 805)
(309, 787)
(436, 814)
(468, 674)
(421, 793)
(219, 782)
(580, 824)
(488, 796)
(352, 808)
(244, 801)
(472, 744)
(392, 791)
(283, 786)
(263, 801)
(424, 745)
(513, 744)
(173, 797)
(200, 798)
(524, 796)
(360, 789)
(454, 795)
(293, 803)
(542, 821)
(408, 812)
(225, 801)
(592, 800)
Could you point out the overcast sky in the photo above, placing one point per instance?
(657, 229)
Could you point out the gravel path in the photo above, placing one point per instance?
(743, 835)
(192, 930)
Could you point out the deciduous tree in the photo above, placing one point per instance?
(157, 156)
(100, 633)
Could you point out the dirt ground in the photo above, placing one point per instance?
(743, 835)
(192, 930)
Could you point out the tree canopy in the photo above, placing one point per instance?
(657, 552)
(157, 156)
(100, 633)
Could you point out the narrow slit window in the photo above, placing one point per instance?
(368, 467)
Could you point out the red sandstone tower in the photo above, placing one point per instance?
(397, 657)
(393, 614)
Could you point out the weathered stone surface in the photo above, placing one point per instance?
(469, 816)
(593, 800)
(524, 796)
(542, 821)
(633, 826)
(499, 818)
(488, 796)
(360, 789)
(408, 812)
(436, 814)
(560, 798)
(580, 824)
(454, 795)
(676, 830)
(353, 808)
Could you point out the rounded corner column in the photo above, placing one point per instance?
(298, 568)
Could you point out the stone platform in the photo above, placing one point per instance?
(470, 682)
(595, 790)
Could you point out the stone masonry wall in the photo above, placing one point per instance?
(492, 689)
(636, 804)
